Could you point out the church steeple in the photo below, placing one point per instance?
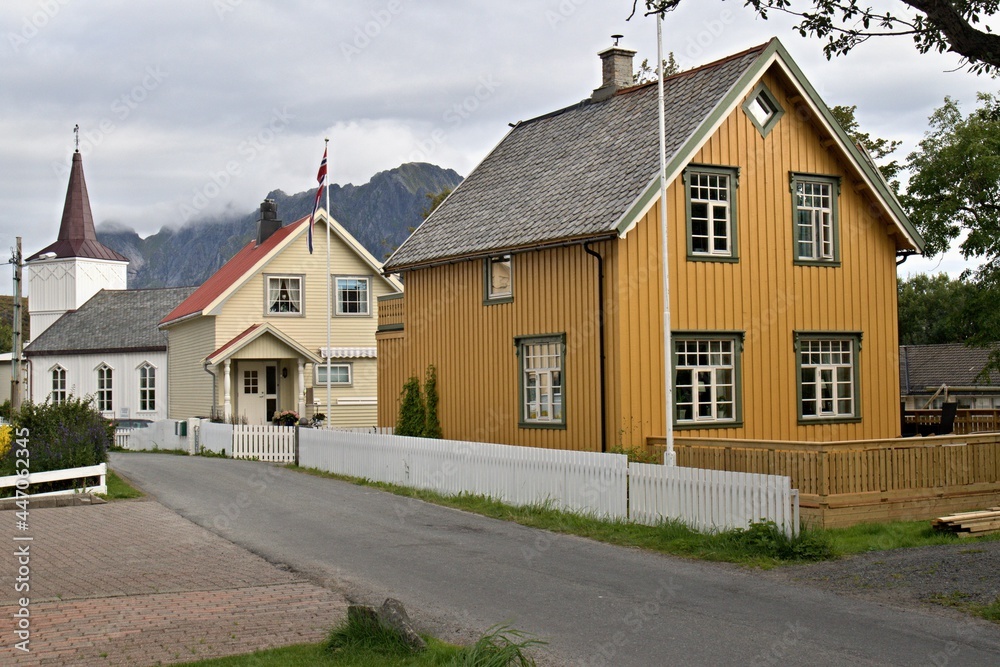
(64, 274)
(77, 236)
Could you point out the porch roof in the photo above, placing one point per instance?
(255, 333)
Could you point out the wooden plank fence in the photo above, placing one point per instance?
(842, 483)
(100, 471)
(264, 443)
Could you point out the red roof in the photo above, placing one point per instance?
(231, 273)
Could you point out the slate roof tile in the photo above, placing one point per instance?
(112, 320)
(572, 173)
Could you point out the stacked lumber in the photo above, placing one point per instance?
(970, 524)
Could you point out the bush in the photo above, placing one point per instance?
(412, 416)
(70, 434)
(766, 540)
(432, 426)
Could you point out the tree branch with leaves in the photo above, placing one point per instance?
(956, 26)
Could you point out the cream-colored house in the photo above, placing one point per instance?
(252, 340)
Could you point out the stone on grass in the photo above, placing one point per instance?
(390, 616)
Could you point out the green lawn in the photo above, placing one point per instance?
(758, 546)
(119, 489)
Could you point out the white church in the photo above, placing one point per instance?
(91, 337)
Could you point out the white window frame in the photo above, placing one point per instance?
(57, 377)
(763, 109)
(827, 367)
(339, 310)
(815, 219)
(146, 376)
(542, 381)
(701, 182)
(334, 368)
(706, 378)
(283, 289)
(491, 292)
(105, 388)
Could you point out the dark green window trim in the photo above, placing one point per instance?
(794, 179)
(737, 338)
(855, 338)
(769, 101)
(519, 344)
(489, 300)
(733, 176)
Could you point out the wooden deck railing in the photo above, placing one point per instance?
(390, 312)
(847, 482)
(975, 420)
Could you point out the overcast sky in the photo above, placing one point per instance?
(191, 107)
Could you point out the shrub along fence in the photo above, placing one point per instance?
(844, 483)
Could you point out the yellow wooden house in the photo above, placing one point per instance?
(252, 339)
(536, 287)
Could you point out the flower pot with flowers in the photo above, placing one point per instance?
(285, 418)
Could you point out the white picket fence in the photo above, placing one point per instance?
(122, 437)
(264, 443)
(100, 471)
(578, 481)
(710, 499)
(604, 485)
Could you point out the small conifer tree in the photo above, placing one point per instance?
(411, 409)
(432, 426)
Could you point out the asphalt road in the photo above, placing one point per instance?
(594, 604)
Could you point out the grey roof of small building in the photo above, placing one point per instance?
(570, 174)
(953, 364)
(111, 321)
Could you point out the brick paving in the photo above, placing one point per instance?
(132, 583)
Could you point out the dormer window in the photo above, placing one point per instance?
(763, 109)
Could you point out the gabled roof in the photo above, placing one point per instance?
(77, 236)
(252, 258)
(111, 321)
(592, 170)
(251, 334)
(953, 364)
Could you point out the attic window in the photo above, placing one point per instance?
(763, 109)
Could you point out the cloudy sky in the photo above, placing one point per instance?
(191, 107)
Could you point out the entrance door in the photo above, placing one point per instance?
(258, 391)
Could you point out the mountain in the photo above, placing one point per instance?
(380, 214)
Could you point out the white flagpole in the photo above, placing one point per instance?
(329, 294)
(669, 457)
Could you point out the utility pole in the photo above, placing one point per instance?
(17, 342)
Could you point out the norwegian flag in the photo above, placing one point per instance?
(321, 178)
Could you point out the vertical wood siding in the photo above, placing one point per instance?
(764, 294)
(190, 388)
(472, 345)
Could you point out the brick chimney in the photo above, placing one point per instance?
(616, 70)
(268, 223)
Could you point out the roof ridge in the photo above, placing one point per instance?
(699, 68)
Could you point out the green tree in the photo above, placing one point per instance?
(879, 149)
(958, 26)
(954, 186)
(954, 195)
(935, 309)
(432, 425)
(435, 201)
(6, 337)
(647, 73)
(412, 415)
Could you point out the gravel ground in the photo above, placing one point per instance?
(941, 577)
